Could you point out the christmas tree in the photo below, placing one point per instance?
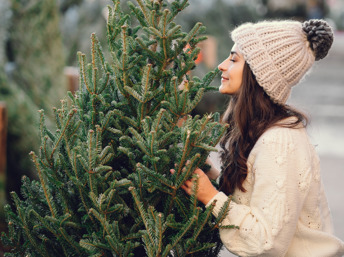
(33, 60)
(105, 187)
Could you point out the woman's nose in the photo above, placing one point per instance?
(222, 66)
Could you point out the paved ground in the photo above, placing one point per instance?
(321, 95)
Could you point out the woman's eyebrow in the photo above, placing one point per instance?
(234, 53)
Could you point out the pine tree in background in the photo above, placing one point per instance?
(31, 52)
(35, 48)
(105, 187)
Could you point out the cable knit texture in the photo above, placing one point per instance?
(279, 53)
(284, 211)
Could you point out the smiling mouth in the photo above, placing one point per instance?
(224, 78)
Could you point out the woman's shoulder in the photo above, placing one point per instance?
(282, 134)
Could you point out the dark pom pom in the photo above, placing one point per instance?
(320, 37)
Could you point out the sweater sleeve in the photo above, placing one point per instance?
(267, 224)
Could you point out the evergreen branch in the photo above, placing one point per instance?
(77, 126)
(145, 81)
(104, 153)
(110, 197)
(187, 173)
(143, 148)
(201, 248)
(146, 125)
(100, 218)
(23, 220)
(101, 169)
(70, 115)
(69, 240)
(208, 215)
(152, 54)
(193, 196)
(91, 156)
(134, 62)
(155, 32)
(206, 147)
(82, 60)
(136, 135)
(91, 148)
(46, 192)
(107, 119)
(106, 158)
(209, 77)
(193, 32)
(229, 227)
(220, 135)
(177, 8)
(85, 243)
(131, 236)
(175, 87)
(153, 19)
(143, 213)
(155, 125)
(74, 166)
(164, 37)
(43, 221)
(46, 152)
(42, 126)
(182, 207)
(195, 102)
(173, 31)
(105, 84)
(129, 121)
(159, 234)
(99, 50)
(134, 94)
(223, 213)
(93, 51)
(138, 13)
(114, 245)
(206, 121)
(148, 245)
(115, 131)
(155, 175)
(83, 162)
(98, 139)
(182, 105)
(183, 231)
(143, 9)
(185, 152)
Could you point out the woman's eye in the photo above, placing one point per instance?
(232, 60)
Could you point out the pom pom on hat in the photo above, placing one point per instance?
(280, 53)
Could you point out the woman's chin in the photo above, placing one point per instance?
(222, 90)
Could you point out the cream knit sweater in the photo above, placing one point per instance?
(284, 211)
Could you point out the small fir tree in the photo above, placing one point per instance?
(33, 57)
(35, 48)
(105, 187)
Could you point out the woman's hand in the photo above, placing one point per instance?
(206, 191)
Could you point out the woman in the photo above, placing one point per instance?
(268, 163)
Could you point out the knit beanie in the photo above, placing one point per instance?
(280, 53)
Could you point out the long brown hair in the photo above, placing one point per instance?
(249, 114)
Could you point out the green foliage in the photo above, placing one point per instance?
(37, 52)
(105, 187)
(34, 78)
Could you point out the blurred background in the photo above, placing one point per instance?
(39, 41)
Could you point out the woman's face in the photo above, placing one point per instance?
(232, 69)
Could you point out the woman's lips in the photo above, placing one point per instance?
(224, 78)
